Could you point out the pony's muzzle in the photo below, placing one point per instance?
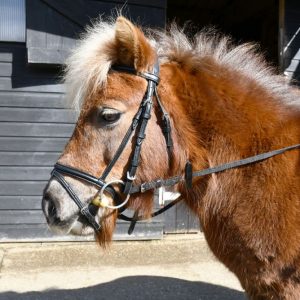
(58, 211)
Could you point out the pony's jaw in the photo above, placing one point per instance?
(81, 228)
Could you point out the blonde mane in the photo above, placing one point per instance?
(88, 65)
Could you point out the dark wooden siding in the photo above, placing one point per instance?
(54, 25)
(34, 127)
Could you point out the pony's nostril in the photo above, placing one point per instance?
(52, 212)
(50, 208)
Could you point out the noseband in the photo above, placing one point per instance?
(138, 126)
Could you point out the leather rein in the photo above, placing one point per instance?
(138, 126)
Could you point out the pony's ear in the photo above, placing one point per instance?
(133, 49)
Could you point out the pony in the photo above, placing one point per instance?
(225, 103)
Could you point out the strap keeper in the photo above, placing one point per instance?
(129, 177)
(127, 187)
(188, 176)
(158, 183)
(167, 130)
(143, 187)
(135, 122)
(86, 212)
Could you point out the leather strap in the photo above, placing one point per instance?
(166, 123)
(123, 144)
(188, 176)
(59, 168)
(140, 121)
(134, 161)
(156, 213)
(146, 186)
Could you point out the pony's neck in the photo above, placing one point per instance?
(232, 115)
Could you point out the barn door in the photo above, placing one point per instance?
(34, 121)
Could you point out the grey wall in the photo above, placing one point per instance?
(34, 128)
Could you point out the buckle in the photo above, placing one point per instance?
(85, 211)
(151, 185)
(129, 177)
(143, 187)
(158, 183)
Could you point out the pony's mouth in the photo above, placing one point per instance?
(81, 227)
(75, 226)
(61, 228)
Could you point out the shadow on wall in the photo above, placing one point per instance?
(138, 287)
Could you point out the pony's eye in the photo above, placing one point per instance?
(109, 116)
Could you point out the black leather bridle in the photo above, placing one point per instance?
(138, 126)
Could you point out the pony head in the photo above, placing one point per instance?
(108, 101)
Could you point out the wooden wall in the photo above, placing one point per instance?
(34, 129)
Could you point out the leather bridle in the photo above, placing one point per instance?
(138, 126)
